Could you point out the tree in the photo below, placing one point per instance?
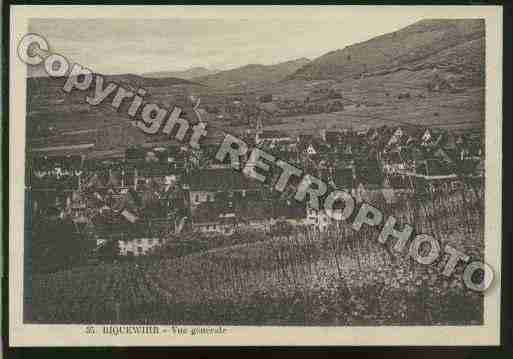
(56, 245)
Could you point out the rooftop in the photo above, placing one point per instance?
(220, 179)
(269, 134)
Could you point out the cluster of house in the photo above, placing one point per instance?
(241, 108)
(223, 200)
(140, 196)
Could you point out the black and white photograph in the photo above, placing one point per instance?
(182, 172)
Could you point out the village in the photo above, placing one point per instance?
(342, 187)
(142, 197)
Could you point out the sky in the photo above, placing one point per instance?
(220, 39)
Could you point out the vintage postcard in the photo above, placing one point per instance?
(255, 175)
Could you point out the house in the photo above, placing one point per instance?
(214, 218)
(311, 146)
(257, 215)
(139, 246)
(346, 142)
(76, 207)
(112, 225)
(310, 150)
(368, 181)
(157, 172)
(410, 136)
(210, 185)
(441, 154)
(394, 162)
(318, 219)
(373, 135)
(332, 138)
(427, 138)
(225, 218)
(363, 131)
(272, 138)
(163, 164)
(305, 138)
(472, 151)
(396, 136)
(289, 210)
(398, 181)
(434, 174)
(134, 239)
(370, 192)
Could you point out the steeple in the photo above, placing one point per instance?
(259, 126)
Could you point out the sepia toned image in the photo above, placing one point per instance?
(210, 175)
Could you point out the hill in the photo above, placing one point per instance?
(188, 74)
(252, 75)
(407, 46)
(430, 73)
(49, 107)
(130, 80)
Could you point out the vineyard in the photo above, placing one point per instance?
(339, 277)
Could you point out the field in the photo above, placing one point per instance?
(340, 277)
(373, 102)
(369, 102)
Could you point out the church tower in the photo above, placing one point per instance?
(258, 130)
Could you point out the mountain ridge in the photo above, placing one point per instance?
(187, 74)
(130, 80)
(405, 46)
(252, 74)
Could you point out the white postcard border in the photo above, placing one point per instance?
(75, 335)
